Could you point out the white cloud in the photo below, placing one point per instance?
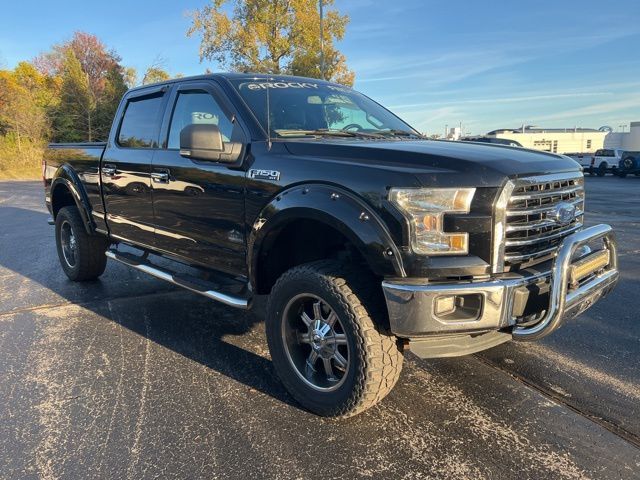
(457, 63)
(626, 103)
(527, 98)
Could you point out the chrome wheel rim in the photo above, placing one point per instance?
(315, 342)
(68, 243)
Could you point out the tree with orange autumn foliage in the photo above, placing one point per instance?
(273, 36)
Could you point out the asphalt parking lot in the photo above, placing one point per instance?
(129, 377)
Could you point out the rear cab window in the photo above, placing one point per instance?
(605, 153)
(140, 123)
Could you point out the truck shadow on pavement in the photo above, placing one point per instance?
(218, 337)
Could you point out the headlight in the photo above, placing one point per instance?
(424, 209)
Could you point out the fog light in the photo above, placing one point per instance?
(458, 308)
(445, 305)
(588, 265)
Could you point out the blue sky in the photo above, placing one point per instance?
(487, 64)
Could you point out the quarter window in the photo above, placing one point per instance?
(141, 122)
(197, 107)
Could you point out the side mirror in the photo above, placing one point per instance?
(204, 142)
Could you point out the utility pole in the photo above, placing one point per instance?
(321, 40)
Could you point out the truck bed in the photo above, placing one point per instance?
(84, 160)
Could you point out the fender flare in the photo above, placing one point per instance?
(336, 207)
(66, 177)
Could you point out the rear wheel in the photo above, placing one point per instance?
(81, 255)
(627, 165)
(602, 169)
(329, 352)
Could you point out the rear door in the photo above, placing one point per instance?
(126, 166)
(604, 155)
(199, 205)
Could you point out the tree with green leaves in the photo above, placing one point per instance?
(74, 118)
(70, 93)
(92, 83)
(155, 74)
(25, 95)
(107, 103)
(273, 36)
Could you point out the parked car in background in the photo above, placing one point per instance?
(498, 141)
(604, 161)
(629, 164)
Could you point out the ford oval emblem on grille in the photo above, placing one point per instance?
(563, 214)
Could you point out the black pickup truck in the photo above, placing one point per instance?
(368, 238)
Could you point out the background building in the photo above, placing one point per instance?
(556, 140)
(454, 133)
(625, 140)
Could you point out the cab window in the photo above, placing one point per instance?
(197, 107)
(141, 122)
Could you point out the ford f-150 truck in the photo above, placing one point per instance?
(368, 238)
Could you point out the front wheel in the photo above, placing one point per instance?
(326, 340)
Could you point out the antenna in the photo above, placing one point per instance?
(268, 116)
(321, 40)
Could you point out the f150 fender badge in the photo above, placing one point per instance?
(264, 174)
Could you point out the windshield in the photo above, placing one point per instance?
(310, 108)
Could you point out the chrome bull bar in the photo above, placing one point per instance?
(565, 303)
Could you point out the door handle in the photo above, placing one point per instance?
(160, 177)
(109, 170)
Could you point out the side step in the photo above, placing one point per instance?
(186, 281)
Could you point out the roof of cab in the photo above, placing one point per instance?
(234, 76)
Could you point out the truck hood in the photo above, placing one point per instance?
(438, 162)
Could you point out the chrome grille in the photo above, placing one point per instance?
(530, 230)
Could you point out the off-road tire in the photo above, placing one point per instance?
(90, 260)
(376, 355)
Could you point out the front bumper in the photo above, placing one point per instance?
(412, 307)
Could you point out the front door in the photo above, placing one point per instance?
(126, 168)
(198, 205)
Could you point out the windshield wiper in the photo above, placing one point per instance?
(401, 133)
(329, 133)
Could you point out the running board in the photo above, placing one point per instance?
(188, 282)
